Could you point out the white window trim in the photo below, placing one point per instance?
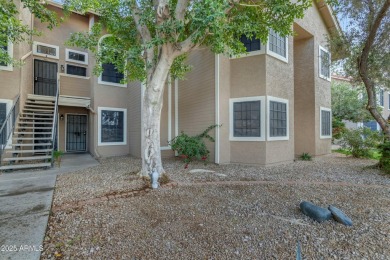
(100, 81)
(276, 55)
(262, 121)
(124, 110)
(325, 136)
(75, 76)
(57, 56)
(76, 61)
(10, 50)
(9, 103)
(278, 138)
(320, 48)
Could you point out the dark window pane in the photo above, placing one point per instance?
(278, 119)
(3, 116)
(251, 44)
(46, 50)
(76, 70)
(5, 48)
(111, 74)
(246, 119)
(112, 126)
(76, 56)
(325, 123)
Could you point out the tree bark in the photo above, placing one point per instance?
(151, 115)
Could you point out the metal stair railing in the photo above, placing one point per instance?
(55, 122)
(8, 125)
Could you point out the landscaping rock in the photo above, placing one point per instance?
(317, 213)
(339, 216)
(201, 171)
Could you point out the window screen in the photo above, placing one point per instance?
(46, 50)
(250, 44)
(112, 126)
(277, 43)
(246, 119)
(325, 123)
(325, 63)
(76, 56)
(278, 119)
(76, 70)
(111, 74)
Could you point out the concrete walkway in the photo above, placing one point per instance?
(25, 203)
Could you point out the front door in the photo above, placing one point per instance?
(76, 133)
(45, 78)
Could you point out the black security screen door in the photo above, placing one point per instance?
(45, 78)
(76, 133)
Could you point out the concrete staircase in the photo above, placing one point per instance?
(31, 145)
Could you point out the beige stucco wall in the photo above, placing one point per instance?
(280, 84)
(197, 96)
(315, 25)
(134, 113)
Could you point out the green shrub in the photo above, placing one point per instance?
(191, 148)
(360, 142)
(58, 156)
(384, 160)
(305, 157)
(338, 128)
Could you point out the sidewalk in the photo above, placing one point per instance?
(25, 203)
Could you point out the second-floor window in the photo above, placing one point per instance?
(324, 63)
(277, 44)
(251, 44)
(110, 73)
(381, 97)
(46, 50)
(76, 56)
(7, 49)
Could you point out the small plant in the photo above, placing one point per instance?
(384, 161)
(58, 156)
(305, 157)
(360, 142)
(191, 148)
(338, 128)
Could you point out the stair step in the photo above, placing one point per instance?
(35, 118)
(27, 158)
(40, 97)
(32, 102)
(37, 114)
(25, 166)
(35, 123)
(32, 138)
(37, 106)
(32, 133)
(29, 151)
(28, 110)
(32, 127)
(35, 144)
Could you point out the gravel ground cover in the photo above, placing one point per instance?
(202, 218)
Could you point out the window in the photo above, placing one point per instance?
(324, 63)
(278, 128)
(110, 74)
(373, 125)
(277, 46)
(46, 50)
(9, 49)
(5, 107)
(389, 100)
(381, 97)
(112, 126)
(325, 123)
(76, 56)
(251, 44)
(76, 70)
(247, 119)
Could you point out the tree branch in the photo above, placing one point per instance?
(363, 67)
(143, 30)
(181, 8)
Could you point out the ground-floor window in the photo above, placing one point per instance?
(112, 126)
(278, 128)
(373, 125)
(325, 123)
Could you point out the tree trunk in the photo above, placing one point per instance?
(151, 116)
